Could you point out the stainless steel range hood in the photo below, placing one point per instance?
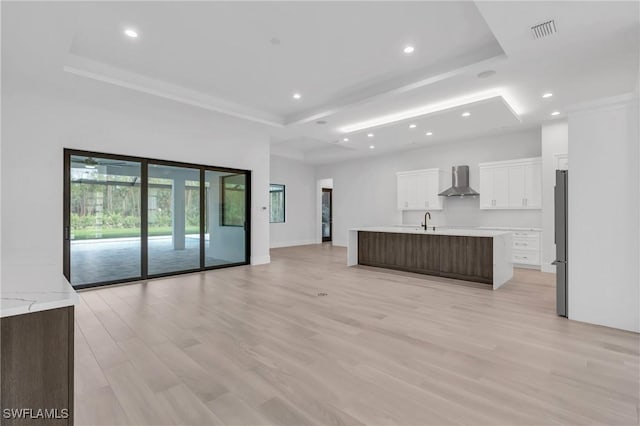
(459, 183)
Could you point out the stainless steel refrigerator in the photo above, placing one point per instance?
(561, 241)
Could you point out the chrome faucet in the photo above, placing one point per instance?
(424, 225)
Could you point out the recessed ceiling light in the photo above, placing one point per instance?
(486, 74)
(429, 133)
(297, 96)
(555, 113)
(131, 33)
(372, 147)
(369, 135)
(412, 126)
(408, 50)
(547, 95)
(345, 140)
(466, 114)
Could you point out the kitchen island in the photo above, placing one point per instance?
(467, 254)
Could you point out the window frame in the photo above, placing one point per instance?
(284, 202)
(223, 189)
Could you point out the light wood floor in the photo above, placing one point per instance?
(257, 345)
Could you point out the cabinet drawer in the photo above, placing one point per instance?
(526, 243)
(526, 257)
(526, 234)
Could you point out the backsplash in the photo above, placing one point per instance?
(465, 211)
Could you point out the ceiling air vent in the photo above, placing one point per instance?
(544, 29)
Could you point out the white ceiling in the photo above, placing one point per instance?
(345, 58)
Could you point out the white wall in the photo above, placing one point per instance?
(555, 140)
(603, 271)
(364, 190)
(39, 123)
(300, 215)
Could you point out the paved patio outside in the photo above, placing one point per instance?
(112, 259)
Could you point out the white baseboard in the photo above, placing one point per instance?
(339, 243)
(525, 266)
(260, 260)
(548, 268)
(293, 243)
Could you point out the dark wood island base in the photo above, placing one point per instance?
(464, 258)
(37, 368)
(481, 256)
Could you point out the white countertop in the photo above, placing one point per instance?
(507, 228)
(497, 228)
(430, 231)
(32, 288)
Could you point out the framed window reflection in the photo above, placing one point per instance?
(233, 200)
(276, 203)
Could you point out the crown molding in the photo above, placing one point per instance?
(88, 68)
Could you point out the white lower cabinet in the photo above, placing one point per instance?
(526, 258)
(418, 190)
(526, 248)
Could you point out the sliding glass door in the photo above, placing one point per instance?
(129, 218)
(104, 230)
(226, 218)
(174, 219)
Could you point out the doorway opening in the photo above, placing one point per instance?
(327, 214)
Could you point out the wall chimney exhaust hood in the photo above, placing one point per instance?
(459, 183)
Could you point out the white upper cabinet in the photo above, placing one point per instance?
(404, 182)
(494, 188)
(418, 190)
(533, 185)
(514, 184)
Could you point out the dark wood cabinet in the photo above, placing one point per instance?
(454, 259)
(37, 366)
(461, 257)
(480, 258)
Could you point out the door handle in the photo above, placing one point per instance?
(558, 262)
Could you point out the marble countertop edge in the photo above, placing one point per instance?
(34, 293)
